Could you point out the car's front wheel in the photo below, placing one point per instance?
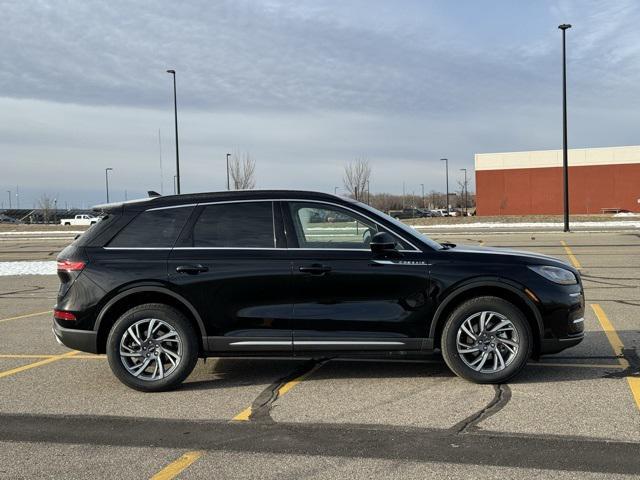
(486, 340)
(152, 347)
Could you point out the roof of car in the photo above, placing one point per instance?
(162, 200)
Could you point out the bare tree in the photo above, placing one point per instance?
(46, 205)
(356, 177)
(243, 171)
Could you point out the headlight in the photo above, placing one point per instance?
(555, 274)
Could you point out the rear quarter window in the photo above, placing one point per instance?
(153, 229)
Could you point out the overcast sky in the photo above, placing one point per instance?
(304, 86)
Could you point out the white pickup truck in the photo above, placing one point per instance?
(80, 220)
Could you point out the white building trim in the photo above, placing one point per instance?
(578, 157)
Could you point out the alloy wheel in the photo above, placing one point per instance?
(151, 349)
(487, 342)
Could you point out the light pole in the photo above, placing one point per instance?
(228, 185)
(422, 186)
(174, 184)
(565, 157)
(106, 180)
(335, 190)
(9, 192)
(368, 193)
(465, 190)
(175, 115)
(446, 161)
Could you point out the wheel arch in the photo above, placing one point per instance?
(138, 295)
(489, 287)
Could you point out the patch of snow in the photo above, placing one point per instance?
(627, 214)
(28, 268)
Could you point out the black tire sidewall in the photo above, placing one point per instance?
(174, 318)
(464, 311)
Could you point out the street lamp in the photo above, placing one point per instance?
(106, 180)
(228, 185)
(565, 157)
(446, 162)
(335, 190)
(175, 115)
(9, 192)
(465, 190)
(422, 186)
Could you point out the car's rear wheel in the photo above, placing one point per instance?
(152, 347)
(486, 340)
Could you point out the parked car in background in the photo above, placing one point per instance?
(161, 282)
(411, 212)
(80, 220)
(7, 219)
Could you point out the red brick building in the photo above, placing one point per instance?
(525, 183)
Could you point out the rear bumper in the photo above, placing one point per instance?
(84, 340)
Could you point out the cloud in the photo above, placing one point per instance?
(304, 86)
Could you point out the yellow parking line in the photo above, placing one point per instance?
(174, 468)
(75, 357)
(245, 414)
(618, 347)
(572, 257)
(20, 355)
(40, 363)
(25, 316)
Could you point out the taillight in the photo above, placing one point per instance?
(70, 266)
(63, 315)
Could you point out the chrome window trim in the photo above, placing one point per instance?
(251, 248)
(172, 206)
(302, 200)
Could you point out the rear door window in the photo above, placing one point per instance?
(233, 225)
(153, 229)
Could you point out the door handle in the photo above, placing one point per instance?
(192, 269)
(315, 269)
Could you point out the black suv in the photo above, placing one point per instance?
(159, 282)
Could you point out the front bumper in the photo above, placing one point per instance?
(555, 345)
(84, 340)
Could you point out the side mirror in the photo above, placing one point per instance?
(382, 243)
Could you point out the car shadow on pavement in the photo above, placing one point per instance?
(221, 373)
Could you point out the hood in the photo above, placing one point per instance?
(529, 258)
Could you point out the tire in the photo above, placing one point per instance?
(67, 223)
(170, 361)
(502, 361)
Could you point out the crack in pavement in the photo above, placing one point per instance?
(261, 406)
(31, 289)
(633, 370)
(502, 395)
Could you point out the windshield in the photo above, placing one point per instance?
(402, 226)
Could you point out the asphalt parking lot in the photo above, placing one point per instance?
(571, 415)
